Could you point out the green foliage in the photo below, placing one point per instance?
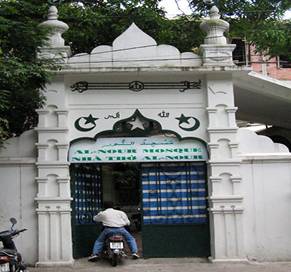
(181, 33)
(21, 73)
(100, 22)
(21, 80)
(97, 23)
(258, 21)
(93, 23)
(256, 10)
(274, 37)
(3, 107)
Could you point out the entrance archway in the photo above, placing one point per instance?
(158, 181)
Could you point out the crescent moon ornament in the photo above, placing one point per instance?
(194, 127)
(190, 125)
(86, 120)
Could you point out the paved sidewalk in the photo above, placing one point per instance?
(169, 265)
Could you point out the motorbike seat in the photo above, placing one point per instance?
(115, 238)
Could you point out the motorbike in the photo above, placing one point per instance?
(10, 258)
(114, 249)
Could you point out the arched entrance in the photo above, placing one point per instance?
(159, 181)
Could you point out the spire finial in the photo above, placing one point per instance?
(57, 28)
(53, 13)
(216, 51)
(214, 27)
(214, 13)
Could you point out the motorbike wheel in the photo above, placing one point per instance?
(21, 269)
(114, 260)
(12, 268)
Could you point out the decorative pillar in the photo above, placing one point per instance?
(215, 49)
(55, 47)
(225, 195)
(53, 196)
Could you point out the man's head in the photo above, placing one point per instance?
(107, 204)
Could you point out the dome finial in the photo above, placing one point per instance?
(216, 51)
(55, 44)
(57, 28)
(52, 13)
(214, 27)
(214, 13)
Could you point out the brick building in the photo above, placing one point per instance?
(278, 67)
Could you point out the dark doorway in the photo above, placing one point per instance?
(121, 185)
(91, 185)
(165, 202)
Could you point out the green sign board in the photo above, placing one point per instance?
(137, 149)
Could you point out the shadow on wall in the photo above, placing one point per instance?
(278, 135)
(251, 143)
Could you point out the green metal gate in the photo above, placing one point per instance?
(175, 218)
(86, 193)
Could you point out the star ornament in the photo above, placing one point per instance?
(136, 123)
(183, 119)
(85, 124)
(90, 120)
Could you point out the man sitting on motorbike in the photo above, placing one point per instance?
(114, 222)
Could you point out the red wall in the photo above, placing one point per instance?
(273, 70)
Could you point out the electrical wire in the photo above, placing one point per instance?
(115, 50)
(140, 47)
(139, 60)
(126, 49)
(166, 59)
(147, 60)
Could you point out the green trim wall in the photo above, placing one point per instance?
(84, 237)
(183, 240)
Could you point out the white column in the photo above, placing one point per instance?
(53, 197)
(225, 196)
(53, 201)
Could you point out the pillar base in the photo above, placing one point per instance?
(217, 55)
(55, 263)
(228, 260)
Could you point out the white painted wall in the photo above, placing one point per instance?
(101, 103)
(18, 190)
(256, 192)
(266, 174)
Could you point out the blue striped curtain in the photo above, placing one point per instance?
(174, 193)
